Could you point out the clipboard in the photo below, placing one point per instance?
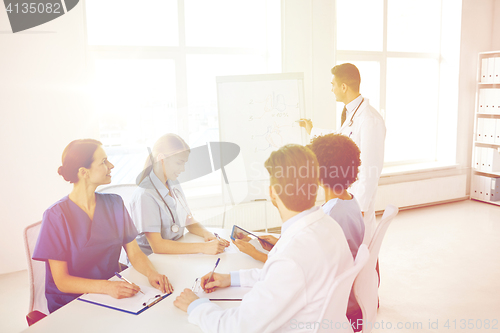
(133, 305)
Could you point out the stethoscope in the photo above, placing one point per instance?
(352, 118)
(177, 196)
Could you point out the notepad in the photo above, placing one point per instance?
(134, 305)
(224, 294)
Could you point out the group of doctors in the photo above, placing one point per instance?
(82, 234)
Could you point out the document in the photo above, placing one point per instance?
(134, 305)
(224, 294)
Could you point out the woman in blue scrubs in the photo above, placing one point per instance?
(82, 234)
(159, 208)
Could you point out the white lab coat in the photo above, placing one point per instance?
(291, 287)
(368, 132)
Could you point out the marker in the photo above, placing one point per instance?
(217, 263)
(124, 279)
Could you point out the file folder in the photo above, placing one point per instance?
(486, 182)
(484, 159)
(497, 70)
(489, 130)
(477, 158)
(496, 109)
(480, 130)
(476, 183)
(497, 132)
(481, 101)
(487, 101)
(484, 70)
(491, 70)
(495, 189)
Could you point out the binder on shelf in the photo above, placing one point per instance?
(493, 100)
(476, 183)
(484, 70)
(477, 158)
(492, 163)
(481, 101)
(480, 130)
(491, 70)
(497, 132)
(495, 189)
(489, 130)
(484, 159)
(487, 101)
(497, 70)
(486, 181)
(496, 96)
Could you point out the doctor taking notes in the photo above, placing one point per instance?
(366, 127)
(302, 266)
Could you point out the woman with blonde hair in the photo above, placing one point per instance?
(82, 234)
(159, 208)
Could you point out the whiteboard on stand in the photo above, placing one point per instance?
(259, 113)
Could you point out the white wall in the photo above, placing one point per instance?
(495, 41)
(42, 109)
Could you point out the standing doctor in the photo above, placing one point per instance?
(365, 126)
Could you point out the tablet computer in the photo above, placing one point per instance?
(240, 233)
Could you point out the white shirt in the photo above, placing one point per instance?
(291, 288)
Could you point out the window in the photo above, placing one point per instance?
(407, 53)
(153, 67)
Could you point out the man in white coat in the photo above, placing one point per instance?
(366, 127)
(289, 292)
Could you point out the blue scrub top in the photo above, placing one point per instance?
(91, 248)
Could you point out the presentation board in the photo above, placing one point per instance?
(259, 113)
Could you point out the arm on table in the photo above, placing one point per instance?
(144, 266)
(160, 245)
(76, 285)
(199, 230)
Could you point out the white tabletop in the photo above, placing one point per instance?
(182, 270)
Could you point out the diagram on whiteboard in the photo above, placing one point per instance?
(259, 113)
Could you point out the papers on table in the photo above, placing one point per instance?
(223, 294)
(134, 305)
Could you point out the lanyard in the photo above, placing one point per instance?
(350, 123)
(175, 227)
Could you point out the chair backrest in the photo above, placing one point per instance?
(366, 284)
(36, 270)
(125, 191)
(333, 315)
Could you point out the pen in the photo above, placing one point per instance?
(124, 279)
(217, 235)
(217, 263)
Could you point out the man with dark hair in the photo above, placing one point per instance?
(366, 127)
(288, 293)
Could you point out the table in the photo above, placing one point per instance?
(182, 270)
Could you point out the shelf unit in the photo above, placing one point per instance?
(485, 180)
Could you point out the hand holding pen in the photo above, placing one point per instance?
(212, 280)
(124, 279)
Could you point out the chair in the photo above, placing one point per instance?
(125, 191)
(366, 284)
(36, 272)
(333, 313)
